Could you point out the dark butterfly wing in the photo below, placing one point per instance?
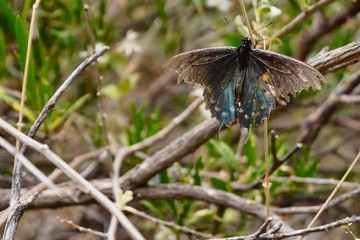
(288, 75)
(217, 70)
(204, 66)
(254, 99)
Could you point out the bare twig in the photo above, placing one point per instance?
(48, 198)
(45, 112)
(166, 223)
(314, 209)
(324, 206)
(218, 197)
(70, 172)
(123, 152)
(316, 120)
(275, 165)
(17, 166)
(306, 231)
(273, 235)
(301, 17)
(178, 148)
(17, 210)
(80, 228)
(53, 176)
(24, 161)
(253, 236)
(327, 61)
(317, 181)
(349, 99)
(335, 21)
(97, 75)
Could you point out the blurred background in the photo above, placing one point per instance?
(139, 99)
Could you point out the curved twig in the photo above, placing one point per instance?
(301, 17)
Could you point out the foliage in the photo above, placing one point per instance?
(138, 104)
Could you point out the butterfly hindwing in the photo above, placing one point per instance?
(255, 101)
(220, 98)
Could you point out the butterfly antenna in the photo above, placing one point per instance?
(259, 29)
(232, 26)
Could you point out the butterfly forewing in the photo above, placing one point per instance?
(201, 66)
(288, 75)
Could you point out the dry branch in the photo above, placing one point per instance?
(327, 61)
(301, 17)
(71, 173)
(16, 186)
(329, 25)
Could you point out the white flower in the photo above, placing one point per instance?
(222, 5)
(274, 12)
(129, 44)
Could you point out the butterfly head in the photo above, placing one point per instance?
(246, 43)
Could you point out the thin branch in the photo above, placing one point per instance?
(166, 223)
(52, 176)
(325, 205)
(349, 99)
(17, 166)
(323, 228)
(218, 197)
(333, 22)
(123, 152)
(314, 209)
(47, 199)
(301, 17)
(51, 103)
(16, 212)
(273, 235)
(174, 151)
(80, 228)
(254, 236)
(16, 183)
(327, 61)
(71, 173)
(274, 167)
(317, 181)
(28, 165)
(147, 142)
(97, 76)
(273, 138)
(316, 120)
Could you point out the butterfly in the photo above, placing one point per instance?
(242, 84)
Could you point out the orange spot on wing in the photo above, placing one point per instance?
(265, 76)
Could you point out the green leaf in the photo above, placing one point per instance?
(220, 184)
(227, 154)
(199, 165)
(73, 108)
(164, 177)
(9, 15)
(22, 37)
(154, 208)
(15, 104)
(2, 54)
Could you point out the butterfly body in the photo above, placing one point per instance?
(241, 84)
